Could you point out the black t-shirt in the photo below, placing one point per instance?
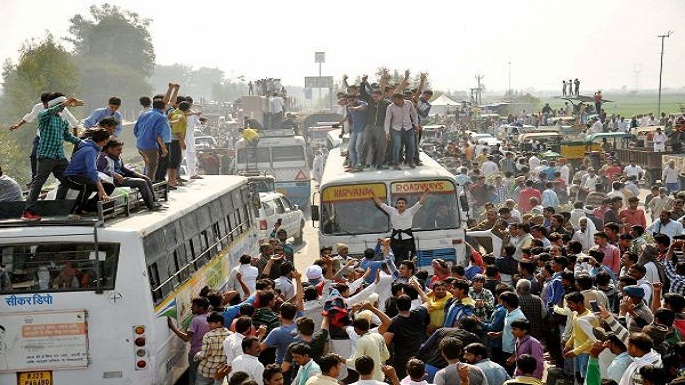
(409, 332)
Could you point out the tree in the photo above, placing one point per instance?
(43, 65)
(114, 55)
(115, 36)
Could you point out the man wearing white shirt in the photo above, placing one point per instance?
(248, 362)
(276, 107)
(670, 176)
(565, 170)
(401, 218)
(597, 126)
(189, 154)
(664, 225)
(633, 170)
(489, 167)
(533, 162)
(249, 275)
(659, 139)
(233, 344)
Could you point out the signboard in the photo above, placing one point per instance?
(418, 187)
(353, 192)
(301, 175)
(318, 82)
(43, 340)
(319, 57)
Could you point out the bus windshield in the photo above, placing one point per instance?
(287, 153)
(349, 210)
(441, 210)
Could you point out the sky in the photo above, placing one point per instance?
(602, 43)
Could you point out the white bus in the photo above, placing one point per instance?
(103, 315)
(347, 215)
(283, 155)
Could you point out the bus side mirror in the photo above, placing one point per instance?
(315, 213)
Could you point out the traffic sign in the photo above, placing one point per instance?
(301, 175)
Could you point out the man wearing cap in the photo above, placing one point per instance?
(112, 110)
(634, 309)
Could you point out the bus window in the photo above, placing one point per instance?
(441, 210)
(349, 210)
(287, 154)
(246, 155)
(286, 203)
(65, 266)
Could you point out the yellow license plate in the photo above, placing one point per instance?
(35, 378)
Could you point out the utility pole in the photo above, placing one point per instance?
(509, 89)
(661, 67)
(479, 99)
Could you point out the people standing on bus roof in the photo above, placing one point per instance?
(401, 218)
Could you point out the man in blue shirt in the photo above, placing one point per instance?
(82, 174)
(149, 131)
(356, 111)
(112, 110)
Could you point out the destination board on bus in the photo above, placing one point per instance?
(418, 187)
(353, 192)
(43, 340)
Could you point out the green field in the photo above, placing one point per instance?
(633, 104)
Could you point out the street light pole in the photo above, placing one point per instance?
(509, 90)
(661, 68)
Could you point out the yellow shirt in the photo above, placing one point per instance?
(582, 324)
(180, 127)
(437, 309)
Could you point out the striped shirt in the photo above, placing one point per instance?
(212, 354)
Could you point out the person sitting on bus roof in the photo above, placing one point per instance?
(82, 174)
(109, 162)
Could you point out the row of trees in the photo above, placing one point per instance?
(110, 52)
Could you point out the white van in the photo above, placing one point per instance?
(276, 206)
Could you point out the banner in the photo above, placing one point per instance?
(353, 192)
(418, 187)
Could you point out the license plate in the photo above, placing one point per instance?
(34, 378)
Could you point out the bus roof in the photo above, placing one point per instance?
(334, 172)
(181, 201)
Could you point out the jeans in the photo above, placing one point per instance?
(34, 156)
(374, 145)
(354, 149)
(192, 369)
(417, 140)
(202, 380)
(45, 167)
(145, 188)
(672, 187)
(580, 363)
(405, 137)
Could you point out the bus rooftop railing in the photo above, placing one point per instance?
(55, 212)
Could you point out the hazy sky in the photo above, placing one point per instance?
(601, 42)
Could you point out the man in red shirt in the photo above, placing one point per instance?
(525, 195)
(633, 215)
(611, 172)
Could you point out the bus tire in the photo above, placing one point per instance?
(299, 238)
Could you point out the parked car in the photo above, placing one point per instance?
(274, 207)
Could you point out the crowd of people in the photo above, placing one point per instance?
(572, 282)
(164, 135)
